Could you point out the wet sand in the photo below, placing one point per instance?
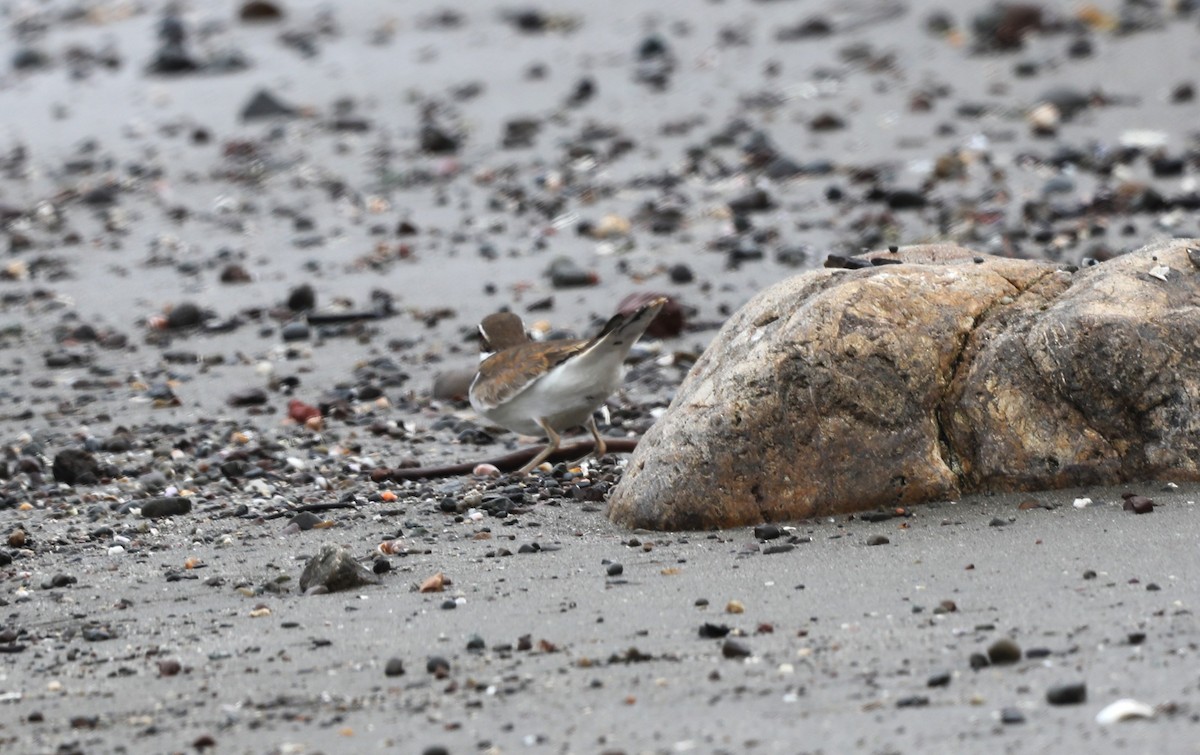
(125, 193)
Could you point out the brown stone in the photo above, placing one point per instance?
(842, 390)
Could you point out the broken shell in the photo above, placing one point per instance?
(1125, 709)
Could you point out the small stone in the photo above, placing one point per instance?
(438, 666)
(1004, 652)
(1137, 504)
(158, 508)
(75, 466)
(1067, 694)
(767, 531)
(1011, 715)
(184, 315)
(615, 570)
(257, 11)
(436, 583)
(305, 521)
(878, 540)
(334, 569)
(941, 679)
(264, 105)
(978, 661)
(680, 273)
(297, 330)
(710, 631)
(735, 606)
(17, 538)
(755, 200)
(565, 273)
(733, 649)
(302, 298)
(394, 667)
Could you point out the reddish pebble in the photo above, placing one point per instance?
(300, 412)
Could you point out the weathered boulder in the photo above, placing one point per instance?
(951, 372)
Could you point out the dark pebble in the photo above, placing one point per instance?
(913, 701)
(184, 315)
(978, 661)
(75, 466)
(1067, 694)
(1011, 715)
(305, 520)
(295, 331)
(615, 570)
(713, 631)
(734, 649)
(877, 540)
(248, 397)
(438, 666)
(157, 508)
(394, 667)
(755, 200)
(939, 680)
(1004, 652)
(1135, 638)
(302, 298)
(767, 531)
(266, 105)
(681, 273)
(1138, 504)
(565, 273)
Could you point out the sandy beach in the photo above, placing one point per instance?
(184, 257)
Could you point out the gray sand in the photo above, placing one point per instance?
(842, 637)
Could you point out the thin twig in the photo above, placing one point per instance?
(507, 463)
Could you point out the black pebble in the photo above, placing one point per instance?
(157, 508)
(1004, 652)
(615, 570)
(438, 666)
(394, 667)
(713, 631)
(302, 298)
(767, 531)
(1067, 694)
(939, 680)
(734, 649)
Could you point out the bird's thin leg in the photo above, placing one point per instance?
(601, 447)
(550, 448)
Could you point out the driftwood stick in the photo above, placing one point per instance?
(507, 463)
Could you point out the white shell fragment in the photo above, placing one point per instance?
(1125, 709)
(1161, 272)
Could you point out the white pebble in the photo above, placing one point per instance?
(1082, 503)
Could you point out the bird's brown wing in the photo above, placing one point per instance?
(507, 373)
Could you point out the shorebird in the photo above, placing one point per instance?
(549, 386)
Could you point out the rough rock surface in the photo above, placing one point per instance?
(846, 389)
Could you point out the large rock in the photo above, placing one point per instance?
(950, 373)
